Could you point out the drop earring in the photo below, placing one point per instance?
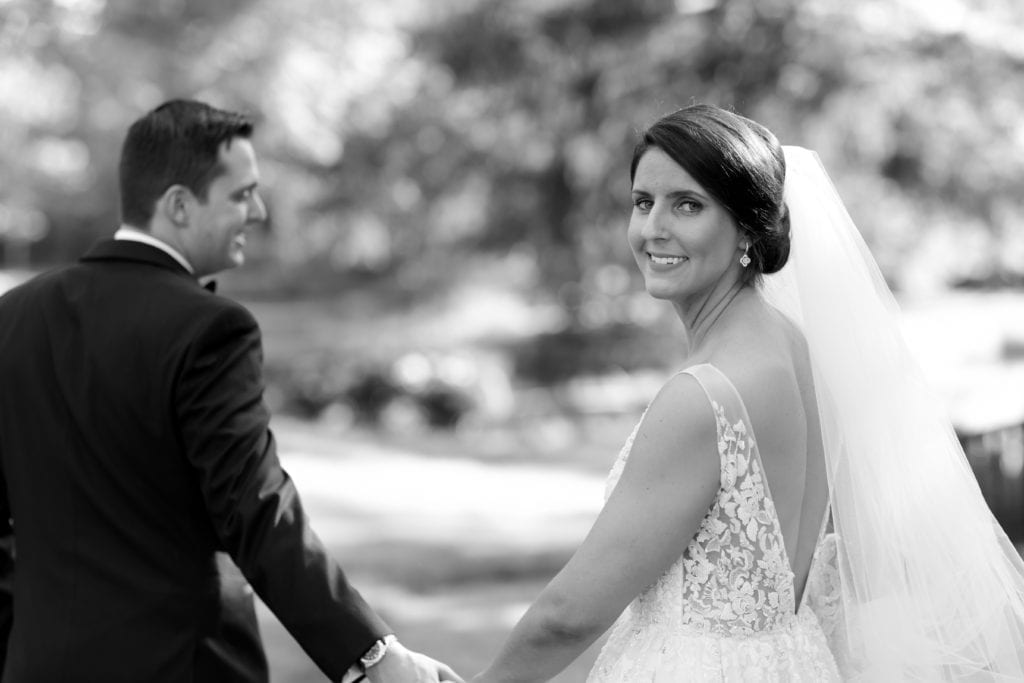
(745, 259)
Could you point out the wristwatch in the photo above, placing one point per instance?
(377, 651)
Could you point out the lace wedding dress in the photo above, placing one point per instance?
(725, 611)
(931, 589)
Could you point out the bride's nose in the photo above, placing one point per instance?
(654, 226)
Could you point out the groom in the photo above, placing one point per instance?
(134, 446)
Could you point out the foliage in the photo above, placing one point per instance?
(351, 390)
(394, 132)
(557, 357)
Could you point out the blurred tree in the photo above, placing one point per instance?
(402, 139)
(539, 102)
(74, 74)
(521, 135)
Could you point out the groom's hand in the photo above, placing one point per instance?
(401, 665)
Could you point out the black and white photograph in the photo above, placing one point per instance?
(511, 341)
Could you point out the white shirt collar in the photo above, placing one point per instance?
(127, 232)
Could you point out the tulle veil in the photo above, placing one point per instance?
(931, 589)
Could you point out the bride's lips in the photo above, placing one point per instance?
(662, 262)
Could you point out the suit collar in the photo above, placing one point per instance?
(127, 232)
(129, 250)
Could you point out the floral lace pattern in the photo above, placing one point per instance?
(737, 577)
(725, 610)
(823, 596)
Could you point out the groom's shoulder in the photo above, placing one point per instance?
(16, 287)
(210, 309)
(230, 308)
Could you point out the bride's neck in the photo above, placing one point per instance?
(701, 318)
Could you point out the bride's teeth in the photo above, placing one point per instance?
(666, 260)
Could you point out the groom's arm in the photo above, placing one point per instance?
(6, 570)
(253, 503)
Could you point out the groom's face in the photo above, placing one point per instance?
(232, 205)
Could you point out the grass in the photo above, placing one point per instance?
(450, 570)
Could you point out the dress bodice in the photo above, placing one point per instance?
(725, 610)
(734, 577)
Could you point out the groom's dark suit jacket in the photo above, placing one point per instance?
(134, 445)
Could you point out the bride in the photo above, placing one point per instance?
(793, 505)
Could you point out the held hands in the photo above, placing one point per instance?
(401, 665)
(489, 675)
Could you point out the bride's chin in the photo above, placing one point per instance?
(660, 292)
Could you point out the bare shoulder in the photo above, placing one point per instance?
(681, 403)
(760, 375)
(679, 426)
(765, 367)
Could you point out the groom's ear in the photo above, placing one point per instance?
(174, 204)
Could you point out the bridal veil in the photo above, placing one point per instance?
(930, 588)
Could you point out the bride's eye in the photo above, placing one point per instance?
(642, 203)
(690, 206)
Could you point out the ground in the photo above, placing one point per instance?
(450, 550)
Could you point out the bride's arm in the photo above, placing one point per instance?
(668, 483)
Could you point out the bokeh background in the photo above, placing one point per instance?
(456, 341)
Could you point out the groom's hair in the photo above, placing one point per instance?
(178, 143)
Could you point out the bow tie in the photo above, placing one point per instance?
(211, 286)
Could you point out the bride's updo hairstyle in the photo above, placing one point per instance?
(741, 164)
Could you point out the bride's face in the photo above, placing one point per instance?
(682, 239)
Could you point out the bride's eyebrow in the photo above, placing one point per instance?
(674, 194)
(692, 194)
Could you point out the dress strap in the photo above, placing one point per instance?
(720, 391)
(731, 412)
(735, 433)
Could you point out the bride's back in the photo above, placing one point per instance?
(765, 357)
